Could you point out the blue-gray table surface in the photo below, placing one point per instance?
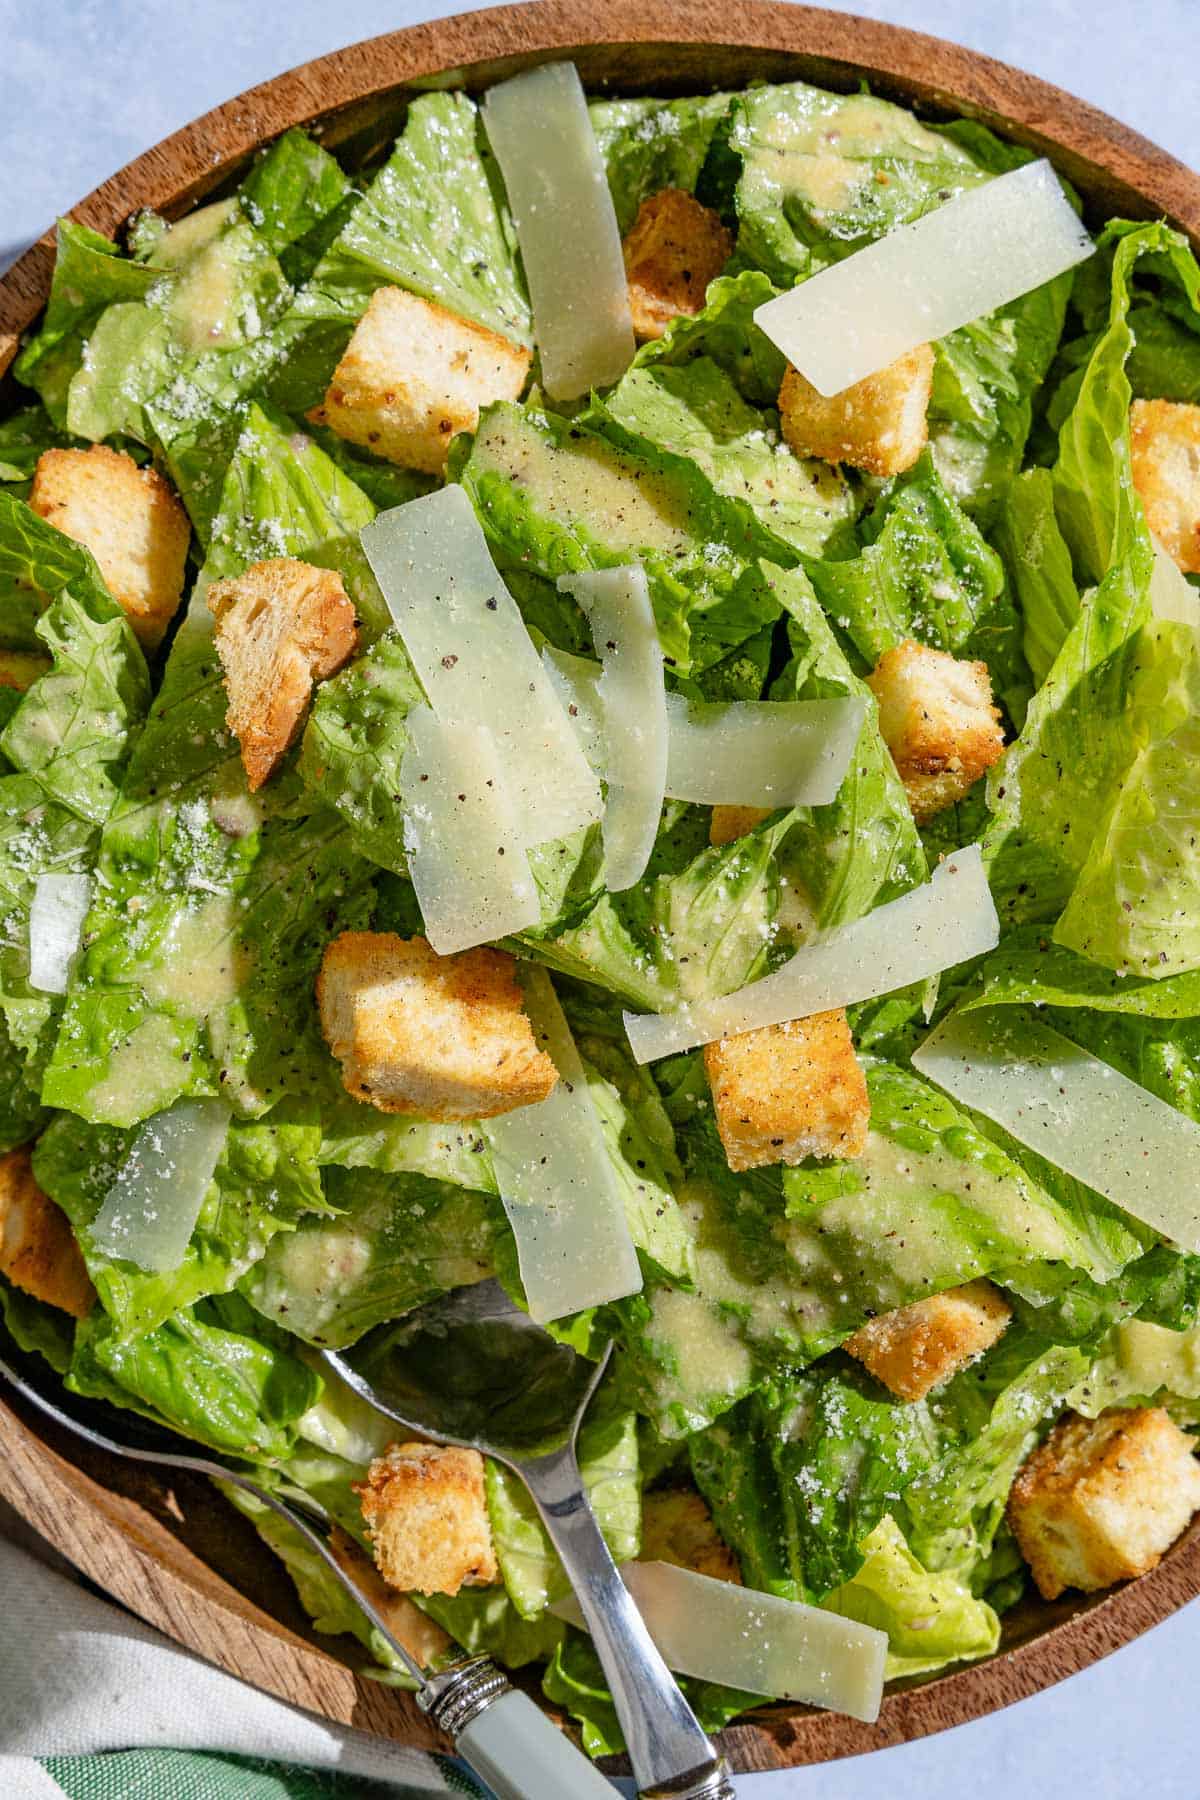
(88, 84)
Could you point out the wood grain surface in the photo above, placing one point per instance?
(169, 1548)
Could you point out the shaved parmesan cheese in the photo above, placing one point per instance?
(59, 907)
(932, 928)
(760, 752)
(476, 661)
(1081, 1114)
(570, 242)
(718, 1631)
(633, 706)
(462, 838)
(557, 1181)
(980, 250)
(577, 682)
(150, 1211)
(1172, 596)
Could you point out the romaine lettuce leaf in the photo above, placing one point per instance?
(925, 572)
(486, 1623)
(788, 1263)
(290, 188)
(556, 498)
(207, 1372)
(37, 837)
(433, 220)
(36, 1328)
(705, 393)
(265, 1182)
(90, 274)
(282, 495)
(813, 176)
(23, 437)
(930, 1619)
(863, 848)
(397, 1241)
(1030, 969)
(1135, 906)
(1143, 1364)
(649, 144)
(1039, 565)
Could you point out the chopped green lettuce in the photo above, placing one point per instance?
(36, 1328)
(930, 1619)
(291, 187)
(575, 1681)
(813, 176)
(434, 221)
(206, 1371)
(265, 1182)
(647, 145)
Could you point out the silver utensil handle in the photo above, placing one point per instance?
(671, 1756)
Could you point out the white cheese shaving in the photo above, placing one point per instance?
(977, 252)
(150, 1211)
(570, 242)
(59, 907)
(718, 1631)
(1172, 596)
(462, 837)
(577, 682)
(557, 1181)
(760, 752)
(1081, 1114)
(931, 928)
(633, 706)
(476, 661)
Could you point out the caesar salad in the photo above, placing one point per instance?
(609, 700)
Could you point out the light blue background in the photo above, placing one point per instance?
(86, 86)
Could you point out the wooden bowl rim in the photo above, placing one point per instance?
(122, 1545)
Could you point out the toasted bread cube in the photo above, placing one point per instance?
(878, 425)
(38, 1251)
(678, 1528)
(19, 669)
(673, 249)
(938, 721)
(420, 1635)
(442, 1037)
(785, 1092)
(427, 1519)
(919, 1347)
(281, 627)
(1103, 1499)
(1165, 442)
(729, 822)
(413, 375)
(129, 519)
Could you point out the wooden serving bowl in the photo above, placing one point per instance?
(171, 1549)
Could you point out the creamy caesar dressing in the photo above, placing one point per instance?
(584, 481)
(704, 1356)
(199, 964)
(142, 1075)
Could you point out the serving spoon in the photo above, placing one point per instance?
(475, 1371)
(496, 1729)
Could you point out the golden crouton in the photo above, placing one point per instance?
(19, 669)
(38, 1252)
(674, 248)
(938, 721)
(427, 1519)
(729, 822)
(130, 521)
(420, 1635)
(678, 1528)
(878, 425)
(1165, 441)
(443, 1037)
(1104, 1498)
(413, 375)
(920, 1346)
(785, 1092)
(281, 626)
